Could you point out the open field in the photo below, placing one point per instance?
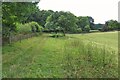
(90, 55)
(109, 39)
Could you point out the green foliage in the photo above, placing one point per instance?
(23, 28)
(5, 32)
(65, 20)
(110, 25)
(36, 27)
(17, 12)
(83, 21)
(87, 28)
(29, 28)
(79, 30)
(40, 16)
(51, 23)
(71, 21)
(91, 21)
(62, 20)
(14, 12)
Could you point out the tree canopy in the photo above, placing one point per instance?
(14, 12)
(26, 12)
(62, 20)
(111, 25)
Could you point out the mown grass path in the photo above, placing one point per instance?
(35, 57)
(22, 57)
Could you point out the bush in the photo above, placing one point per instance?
(29, 27)
(79, 30)
(87, 28)
(23, 28)
(35, 27)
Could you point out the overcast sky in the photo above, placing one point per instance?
(100, 10)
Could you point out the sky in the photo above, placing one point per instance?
(100, 10)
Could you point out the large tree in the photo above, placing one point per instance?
(14, 12)
(62, 20)
(40, 16)
(82, 22)
(110, 25)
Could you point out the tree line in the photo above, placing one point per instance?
(26, 16)
(111, 25)
(57, 20)
(54, 20)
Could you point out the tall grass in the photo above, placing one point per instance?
(89, 61)
(63, 57)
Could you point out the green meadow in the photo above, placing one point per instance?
(90, 55)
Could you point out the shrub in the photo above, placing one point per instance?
(23, 28)
(29, 27)
(79, 30)
(87, 28)
(35, 27)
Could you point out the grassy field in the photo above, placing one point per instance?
(109, 39)
(91, 55)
